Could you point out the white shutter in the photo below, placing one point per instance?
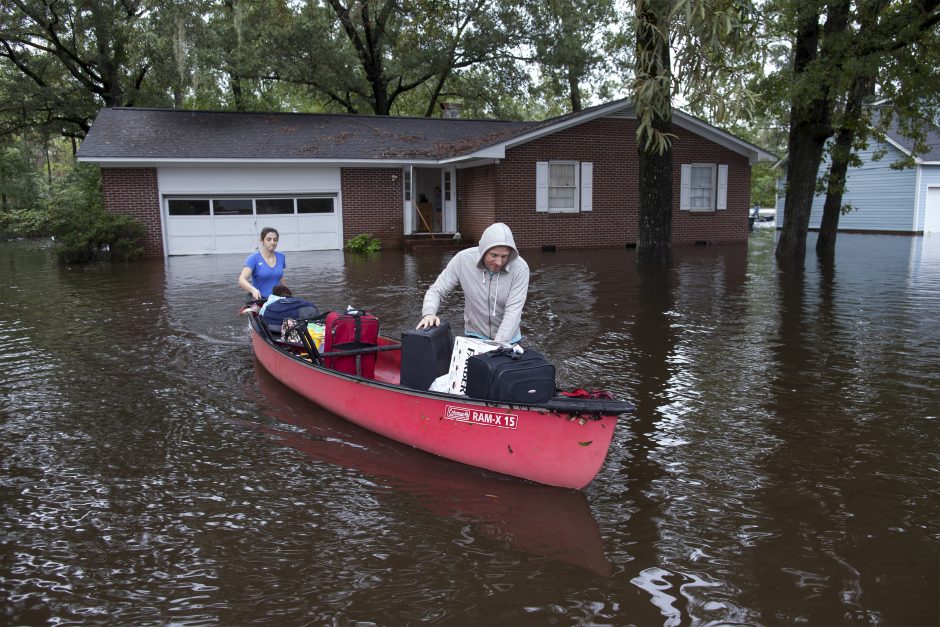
(541, 186)
(685, 187)
(722, 199)
(587, 185)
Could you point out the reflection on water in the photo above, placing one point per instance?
(781, 466)
(539, 519)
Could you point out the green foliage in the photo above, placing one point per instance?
(83, 230)
(19, 182)
(701, 50)
(363, 243)
(101, 237)
(764, 184)
(564, 36)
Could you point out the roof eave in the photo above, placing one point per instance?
(897, 145)
(490, 152)
(498, 151)
(137, 162)
(723, 138)
(720, 137)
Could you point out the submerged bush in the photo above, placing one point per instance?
(363, 243)
(101, 237)
(84, 230)
(24, 222)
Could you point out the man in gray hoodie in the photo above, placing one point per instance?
(495, 283)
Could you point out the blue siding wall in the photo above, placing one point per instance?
(884, 199)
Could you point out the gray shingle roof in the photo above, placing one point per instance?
(932, 139)
(137, 133)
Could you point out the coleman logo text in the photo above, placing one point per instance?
(478, 417)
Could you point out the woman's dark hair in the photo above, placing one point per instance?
(268, 229)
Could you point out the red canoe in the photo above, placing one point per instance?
(562, 442)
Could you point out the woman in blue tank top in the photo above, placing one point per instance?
(265, 268)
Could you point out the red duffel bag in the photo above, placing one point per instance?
(351, 330)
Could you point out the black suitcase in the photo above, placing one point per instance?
(504, 376)
(425, 355)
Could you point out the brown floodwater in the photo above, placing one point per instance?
(781, 468)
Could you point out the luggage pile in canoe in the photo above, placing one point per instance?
(516, 425)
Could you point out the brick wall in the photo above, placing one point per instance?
(372, 203)
(476, 200)
(610, 144)
(133, 192)
(717, 227)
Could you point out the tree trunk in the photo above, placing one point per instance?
(832, 209)
(809, 129)
(237, 96)
(574, 90)
(654, 228)
(804, 154)
(862, 88)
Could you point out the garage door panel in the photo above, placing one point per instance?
(234, 244)
(190, 225)
(191, 245)
(231, 225)
(190, 235)
(318, 232)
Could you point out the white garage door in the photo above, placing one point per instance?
(199, 225)
(932, 211)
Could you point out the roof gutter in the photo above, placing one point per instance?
(332, 163)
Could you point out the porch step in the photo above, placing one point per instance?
(440, 241)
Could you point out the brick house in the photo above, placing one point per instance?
(207, 182)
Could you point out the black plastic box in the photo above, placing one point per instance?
(425, 355)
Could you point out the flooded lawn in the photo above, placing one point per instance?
(782, 466)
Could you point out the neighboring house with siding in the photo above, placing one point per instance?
(207, 182)
(886, 200)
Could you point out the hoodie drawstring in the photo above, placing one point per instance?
(496, 295)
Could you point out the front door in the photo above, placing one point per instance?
(430, 200)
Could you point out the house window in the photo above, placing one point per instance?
(188, 207)
(272, 206)
(446, 185)
(314, 205)
(223, 207)
(703, 187)
(232, 207)
(563, 186)
(406, 182)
